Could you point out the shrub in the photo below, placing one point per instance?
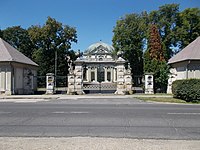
(188, 90)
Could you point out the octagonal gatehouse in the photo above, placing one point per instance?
(99, 71)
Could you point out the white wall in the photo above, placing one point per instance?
(183, 70)
(5, 79)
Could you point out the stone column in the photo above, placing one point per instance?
(120, 76)
(114, 72)
(149, 85)
(111, 70)
(78, 74)
(71, 84)
(128, 80)
(95, 74)
(89, 74)
(49, 83)
(105, 74)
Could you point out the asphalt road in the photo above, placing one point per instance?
(129, 118)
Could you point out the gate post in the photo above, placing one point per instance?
(128, 80)
(149, 86)
(49, 83)
(78, 76)
(120, 76)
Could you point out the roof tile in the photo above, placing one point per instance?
(10, 54)
(190, 52)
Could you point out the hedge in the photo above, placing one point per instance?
(188, 90)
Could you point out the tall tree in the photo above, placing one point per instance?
(128, 37)
(188, 26)
(166, 19)
(51, 44)
(19, 39)
(155, 46)
(154, 61)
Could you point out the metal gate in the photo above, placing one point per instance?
(99, 87)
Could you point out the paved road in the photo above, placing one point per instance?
(130, 118)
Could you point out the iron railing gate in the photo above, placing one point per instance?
(100, 87)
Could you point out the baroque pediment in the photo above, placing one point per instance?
(100, 50)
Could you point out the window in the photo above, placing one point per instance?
(109, 76)
(92, 76)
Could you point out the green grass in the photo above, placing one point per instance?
(162, 99)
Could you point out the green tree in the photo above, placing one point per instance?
(154, 61)
(1, 34)
(129, 34)
(52, 42)
(166, 19)
(19, 39)
(188, 26)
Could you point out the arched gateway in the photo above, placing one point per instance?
(98, 71)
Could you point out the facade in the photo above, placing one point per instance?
(17, 72)
(98, 70)
(185, 64)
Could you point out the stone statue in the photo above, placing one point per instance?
(70, 66)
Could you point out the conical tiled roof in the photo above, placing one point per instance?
(10, 54)
(190, 52)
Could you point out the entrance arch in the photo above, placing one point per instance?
(97, 71)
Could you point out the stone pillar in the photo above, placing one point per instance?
(89, 74)
(49, 83)
(96, 74)
(114, 72)
(128, 80)
(71, 84)
(105, 74)
(149, 85)
(120, 76)
(78, 77)
(172, 78)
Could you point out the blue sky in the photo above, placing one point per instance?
(93, 19)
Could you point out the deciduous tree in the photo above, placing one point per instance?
(154, 61)
(129, 34)
(51, 43)
(19, 39)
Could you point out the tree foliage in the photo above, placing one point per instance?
(19, 39)
(1, 34)
(155, 46)
(176, 29)
(51, 39)
(44, 44)
(128, 38)
(154, 61)
(166, 19)
(188, 26)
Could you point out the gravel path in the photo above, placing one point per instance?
(87, 143)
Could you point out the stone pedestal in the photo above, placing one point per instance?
(149, 87)
(120, 76)
(49, 83)
(128, 84)
(71, 84)
(75, 79)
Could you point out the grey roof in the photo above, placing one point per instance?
(190, 52)
(10, 54)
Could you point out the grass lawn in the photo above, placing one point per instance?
(164, 99)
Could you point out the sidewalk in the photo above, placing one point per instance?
(92, 97)
(63, 96)
(87, 143)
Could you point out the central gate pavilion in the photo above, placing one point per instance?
(99, 71)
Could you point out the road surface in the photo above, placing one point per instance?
(113, 117)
